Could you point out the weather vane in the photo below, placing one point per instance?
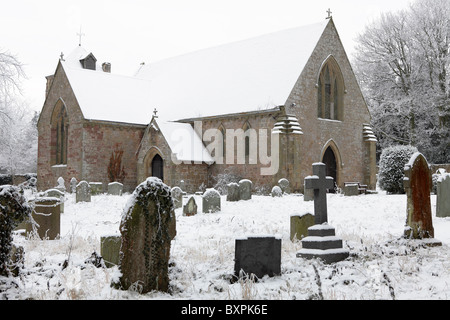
(329, 13)
(80, 34)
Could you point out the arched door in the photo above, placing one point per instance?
(329, 159)
(158, 167)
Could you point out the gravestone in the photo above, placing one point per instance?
(308, 194)
(73, 185)
(321, 241)
(211, 201)
(257, 255)
(115, 188)
(147, 227)
(300, 224)
(284, 185)
(55, 193)
(96, 188)
(190, 208)
(417, 183)
(14, 209)
(233, 192)
(110, 249)
(443, 196)
(351, 189)
(83, 192)
(47, 215)
(177, 196)
(276, 192)
(245, 189)
(60, 185)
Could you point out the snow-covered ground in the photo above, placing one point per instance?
(381, 264)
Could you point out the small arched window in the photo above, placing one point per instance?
(224, 142)
(330, 95)
(246, 127)
(59, 134)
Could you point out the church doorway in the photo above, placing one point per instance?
(329, 159)
(158, 167)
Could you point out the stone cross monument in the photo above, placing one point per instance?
(321, 241)
(319, 182)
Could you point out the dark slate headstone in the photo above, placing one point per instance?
(147, 227)
(257, 255)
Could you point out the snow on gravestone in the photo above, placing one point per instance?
(14, 209)
(442, 196)
(177, 195)
(233, 192)
(190, 209)
(83, 192)
(211, 201)
(417, 183)
(147, 227)
(245, 189)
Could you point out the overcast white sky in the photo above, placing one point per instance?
(127, 33)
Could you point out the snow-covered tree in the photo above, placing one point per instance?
(403, 63)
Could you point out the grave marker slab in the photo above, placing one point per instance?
(47, 214)
(147, 228)
(258, 255)
(300, 224)
(96, 188)
(190, 209)
(443, 196)
(110, 249)
(83, 192)
(233, 192)
(276, 192)
(115, 188)
(284, 185)
(211, 201)
(245, 189)
(177, 195)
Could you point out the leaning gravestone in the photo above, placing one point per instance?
(417, 183)
(257, 255)
(284, 185)
(245, 189)
(233, 192)
(190, 208)
(443, 196)
(147, 227)
(300, 224)
(14, 209)
(177, 195)
(115, 188)
(83, 192)
(321, 241)
(211, 201)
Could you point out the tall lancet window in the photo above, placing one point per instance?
(330, 95)
(59, 134)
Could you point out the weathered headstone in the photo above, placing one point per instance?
(14, 209)
(60, 185)
(96, 188)
(233, 192)
(257, 255)
(147, 228)
(443, 196)
(55, 193)
(115, 188)
(83, 192)
(177, 195)
(211, 201)
(351, 189)
(73, 185)
(308, 194)
(284, 185)
(47, 215)
(190, 208)
(276, 192)
(245, 189)
(417, 183)
(300, 224)
(110, 249)
(321, 241)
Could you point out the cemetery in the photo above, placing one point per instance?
(248, 246)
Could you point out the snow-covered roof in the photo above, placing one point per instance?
(248, 75)
(184, 142)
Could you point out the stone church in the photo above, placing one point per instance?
(283, 101)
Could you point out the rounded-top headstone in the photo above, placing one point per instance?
(211, 201)
(277, 192)
(245, 189)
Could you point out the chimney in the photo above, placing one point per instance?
(106, 66)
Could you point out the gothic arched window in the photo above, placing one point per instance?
(59, 134)
(330, 96)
